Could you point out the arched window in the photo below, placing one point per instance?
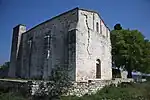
(98, 68)
(97, 27)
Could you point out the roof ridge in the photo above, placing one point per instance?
(51, 19)
(94, 11)
(76, 8)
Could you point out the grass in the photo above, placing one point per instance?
(11, 96)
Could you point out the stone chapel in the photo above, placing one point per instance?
(77, 38)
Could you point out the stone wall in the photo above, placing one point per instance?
(82, 88)
(78, 88)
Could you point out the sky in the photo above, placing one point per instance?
(133, 14)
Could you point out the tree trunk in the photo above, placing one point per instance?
(129, 74)
(129, 69)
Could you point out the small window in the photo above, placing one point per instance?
(30, 42)
(100, 27)
(97, 27)
(106, 32)
(47, 38)
(98, 68)
(72, 37)
(47, 41)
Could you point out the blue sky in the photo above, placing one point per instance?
(133, 14)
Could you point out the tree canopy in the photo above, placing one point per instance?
(118, 27)
(130, 50)
(4, 70)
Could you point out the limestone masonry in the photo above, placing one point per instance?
(78, 38)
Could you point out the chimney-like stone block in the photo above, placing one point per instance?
(16, 38)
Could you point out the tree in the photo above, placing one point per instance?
(6, 64)
(4, 70)
(118, 27)
(130, 50)
(145, 58)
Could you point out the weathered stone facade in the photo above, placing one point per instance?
(92, 45)
(77, 38)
